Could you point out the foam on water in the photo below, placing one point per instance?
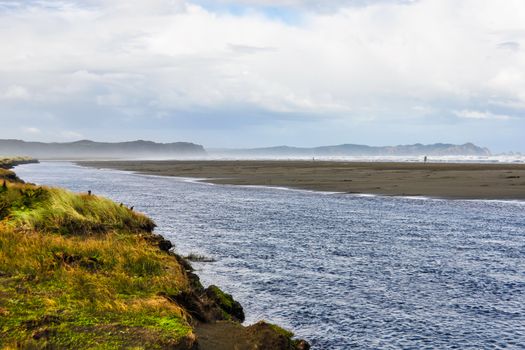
(344, 271)
(506, 158)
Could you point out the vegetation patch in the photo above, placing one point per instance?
(31, 208)
(226, 302)
(9, 162)
(280, 330)
(79, 271)
(198, 258)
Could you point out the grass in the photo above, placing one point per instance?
(79, 271)
(226, 302)
(286, 333)
(9, 162)
(56, 210)
(194, 257)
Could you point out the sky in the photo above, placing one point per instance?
(253, 73)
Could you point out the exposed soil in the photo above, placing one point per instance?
(225, 335)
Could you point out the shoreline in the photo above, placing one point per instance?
(135, 290)
(466, 181)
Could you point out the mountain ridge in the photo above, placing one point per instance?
(94, 149)
(149, 149)
(418, 149)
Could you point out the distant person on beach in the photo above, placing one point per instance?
(425, 159)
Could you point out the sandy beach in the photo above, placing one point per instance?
(442, 180)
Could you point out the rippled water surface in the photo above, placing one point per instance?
(342, 271)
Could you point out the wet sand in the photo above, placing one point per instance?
(442, 180)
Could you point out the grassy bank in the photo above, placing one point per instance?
(80, 271)
(8, 163)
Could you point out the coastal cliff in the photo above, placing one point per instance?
(80, 271)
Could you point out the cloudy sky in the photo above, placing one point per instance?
(238, 73)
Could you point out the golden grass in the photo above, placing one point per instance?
(79, 270)
(8, 162)
(57, 210)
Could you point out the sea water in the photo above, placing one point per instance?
(343, 271)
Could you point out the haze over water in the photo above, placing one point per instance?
(340, 270)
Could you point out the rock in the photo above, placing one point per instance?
(165, 245)
(226, 302)
(302, 345)
(228, 335)
(162, 243)
(270, 336)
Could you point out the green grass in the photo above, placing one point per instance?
(279, 330)
(56, 210)
(79, 271)
(225, 300)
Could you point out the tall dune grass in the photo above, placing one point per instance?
(56, 210)
(8, 162)
(78, 270)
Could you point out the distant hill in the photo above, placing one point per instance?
(86, 149)
(437, 149)
(90, 149)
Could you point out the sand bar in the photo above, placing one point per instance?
(442, 180)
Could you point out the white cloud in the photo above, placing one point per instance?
(70, 135)
(325, 5)
(91, 63)
(111, 100)
(187, 56)
(510, 45)
(32, 130)
(485, 115)
(16, 92)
